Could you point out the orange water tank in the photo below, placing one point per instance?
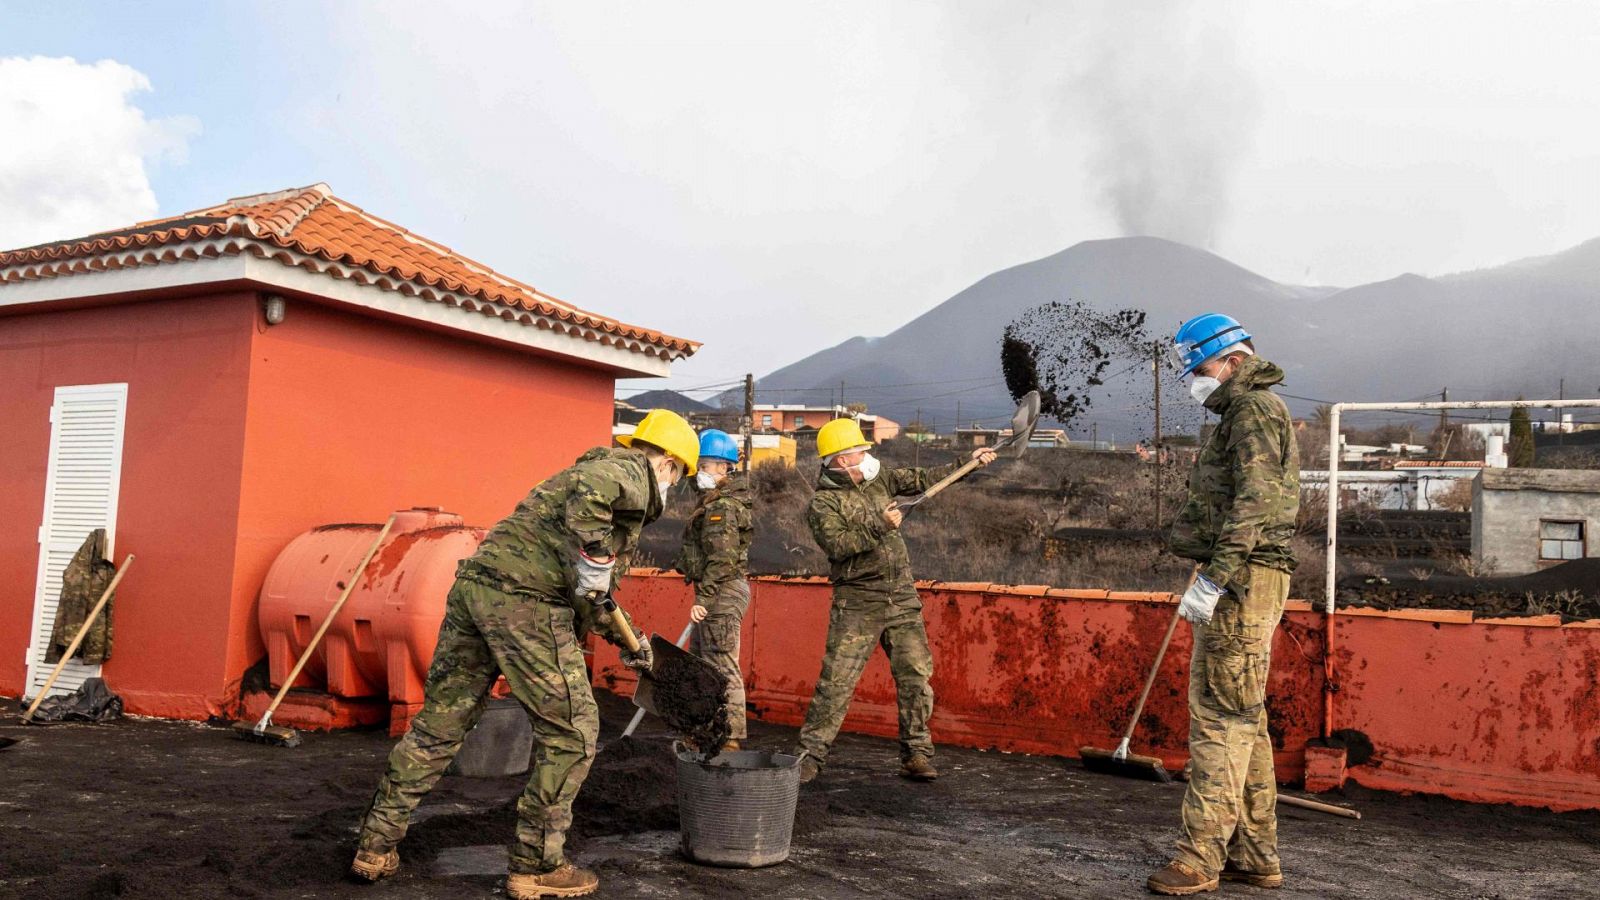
(382, 641)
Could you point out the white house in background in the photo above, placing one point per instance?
(1524, 520)
(1412, 484)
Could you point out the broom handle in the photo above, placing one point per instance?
(305, 655)
(78, 639)
(1161, 654)
(1328, 808)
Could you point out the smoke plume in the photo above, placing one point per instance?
(1170, 112)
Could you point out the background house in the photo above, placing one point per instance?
(208, 386)
(1526, 519)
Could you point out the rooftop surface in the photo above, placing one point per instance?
(160, 809)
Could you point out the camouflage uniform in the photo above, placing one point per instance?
(875, 602)
(715, 558)
(1238, 522)
(512, 612)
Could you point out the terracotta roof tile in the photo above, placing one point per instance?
(313, 222)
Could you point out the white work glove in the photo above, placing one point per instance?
(594, 576)
(1199, 601)
(644, 659)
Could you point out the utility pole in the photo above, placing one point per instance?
(1155, 370)
(842, 410)
(1094, 442)
(958, 413)
(1561, 421)
(747, 423)
(916, 441)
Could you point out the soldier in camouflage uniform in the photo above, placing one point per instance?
(520, 607)
(715, 559)
(875, 603)
(1244, 494)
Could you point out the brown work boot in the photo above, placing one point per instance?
(567, 881)
(1231, 872)
(730, 745)
(918, 768)
(370, 865)
(809, 769)
(1178, 880)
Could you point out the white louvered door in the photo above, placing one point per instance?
(80, 495)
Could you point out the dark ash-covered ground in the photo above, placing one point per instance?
(160, 809)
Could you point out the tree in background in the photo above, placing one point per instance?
(1521, 451)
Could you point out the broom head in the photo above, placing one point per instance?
(275, 735)
(1129, 765)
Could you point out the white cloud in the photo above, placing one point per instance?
(77, 153)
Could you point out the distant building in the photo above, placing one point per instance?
(767, 448)
(798, 418)
(1524, 520)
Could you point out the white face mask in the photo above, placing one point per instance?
(666, 480)
(869, 467)
(704, 480)
(1202, 386)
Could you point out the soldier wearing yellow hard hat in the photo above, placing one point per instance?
(854, 520)
(520, 607)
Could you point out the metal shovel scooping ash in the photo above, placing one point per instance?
(1022, 424)
(688, 693)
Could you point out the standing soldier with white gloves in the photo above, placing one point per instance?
(520, 607)
(716, 558)
(1244, 494)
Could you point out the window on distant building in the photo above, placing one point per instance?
(1560, 540)
(766, 421)
(799, 421)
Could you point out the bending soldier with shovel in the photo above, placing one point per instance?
(520, 608)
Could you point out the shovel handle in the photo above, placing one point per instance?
(1161, 653)
(612, 614)
(78, 639)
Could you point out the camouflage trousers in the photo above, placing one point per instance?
(716, 640)
(532, 643)
(855, 627)
(1230, 809)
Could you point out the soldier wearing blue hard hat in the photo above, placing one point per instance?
(1237, 525)
(715, 558)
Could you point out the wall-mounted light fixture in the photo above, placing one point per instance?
(275, 308)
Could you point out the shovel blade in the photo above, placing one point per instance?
(686, 692)
(1023, 422)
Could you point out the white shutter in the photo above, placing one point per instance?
(80, 495)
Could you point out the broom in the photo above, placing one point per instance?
(263, 731)
(1120, 761)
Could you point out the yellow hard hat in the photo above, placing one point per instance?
(667, 430)
(838, 436)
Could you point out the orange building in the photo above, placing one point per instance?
(208, 386)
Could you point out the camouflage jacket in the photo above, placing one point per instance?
(599, 505)
(716, 542)
(867, 559)
(1244, 491)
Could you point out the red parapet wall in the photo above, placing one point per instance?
(1487, 710)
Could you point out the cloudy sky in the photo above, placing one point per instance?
(772, 180)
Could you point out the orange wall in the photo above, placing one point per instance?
(185, 363)
(1494, 711)
(352, 417)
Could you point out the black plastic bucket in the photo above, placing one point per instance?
(737, 809)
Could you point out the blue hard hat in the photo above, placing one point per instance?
(716, 444)
(1203, 337)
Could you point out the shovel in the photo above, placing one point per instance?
(688, 693)
(1022, 422)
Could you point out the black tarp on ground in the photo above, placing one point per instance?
(92, 702)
